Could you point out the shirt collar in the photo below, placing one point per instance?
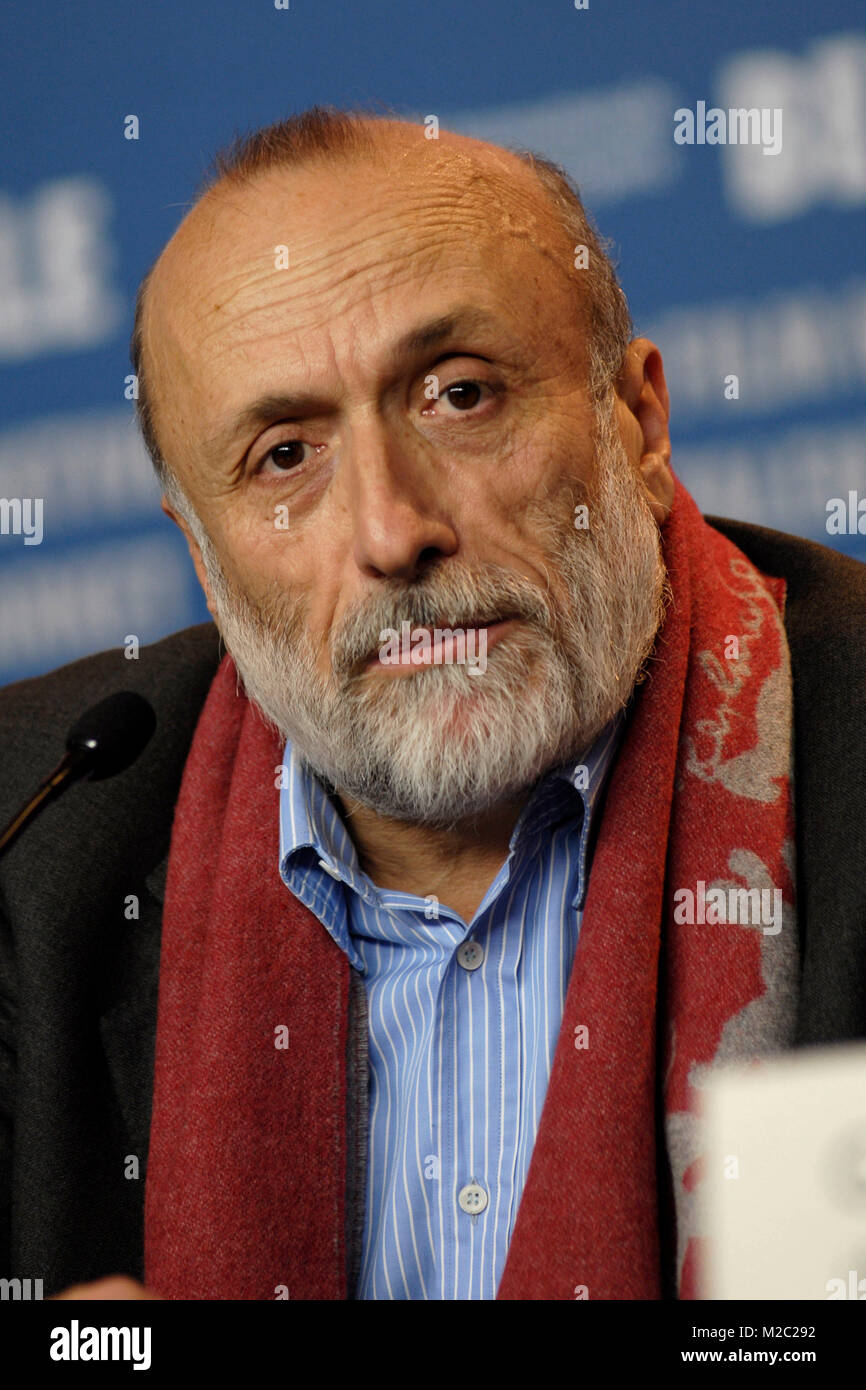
(313, 834)
(575, 788)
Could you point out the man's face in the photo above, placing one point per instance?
(389, 421)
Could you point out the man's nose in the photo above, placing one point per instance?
(398, 506)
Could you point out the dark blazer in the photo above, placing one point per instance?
(78, 978)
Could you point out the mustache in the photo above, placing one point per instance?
(451, 595)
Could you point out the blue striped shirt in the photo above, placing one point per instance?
(463, 1023)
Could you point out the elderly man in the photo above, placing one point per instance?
(392, 967)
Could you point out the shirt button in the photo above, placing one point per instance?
(472, 1198)
(470, 955)
(335, 873)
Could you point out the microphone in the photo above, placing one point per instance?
(106, 740)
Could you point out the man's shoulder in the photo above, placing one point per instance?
(173, 674)
(825, 590)
(179, 662)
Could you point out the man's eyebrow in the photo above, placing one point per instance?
(423, 338)
(429, 335)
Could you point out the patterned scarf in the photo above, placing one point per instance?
(677, 968)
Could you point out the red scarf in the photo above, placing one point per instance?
(246, 1177)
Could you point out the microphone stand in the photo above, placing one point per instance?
(71, 765)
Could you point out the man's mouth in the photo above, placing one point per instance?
(416, 645)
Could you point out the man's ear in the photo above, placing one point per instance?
(194, 550)
(644, 411)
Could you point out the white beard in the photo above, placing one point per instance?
(439, 745)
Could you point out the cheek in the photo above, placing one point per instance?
(270, 575)
(309, 580)
(263, 546)
(541, 474)
(294, 567)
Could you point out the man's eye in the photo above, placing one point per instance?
(461, 395)
(285, 456)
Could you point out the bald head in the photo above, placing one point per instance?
(272, 190)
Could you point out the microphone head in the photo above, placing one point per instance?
(111, 734)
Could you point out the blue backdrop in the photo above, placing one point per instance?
(740, 264)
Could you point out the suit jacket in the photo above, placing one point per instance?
(78, 979)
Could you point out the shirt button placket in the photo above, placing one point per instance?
(472, 1198)
(470, 954)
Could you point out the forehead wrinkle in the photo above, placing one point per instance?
(460, 197)
(362, 278)
(246, 276)
(487, 198)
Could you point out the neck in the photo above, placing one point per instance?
(456, 865)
